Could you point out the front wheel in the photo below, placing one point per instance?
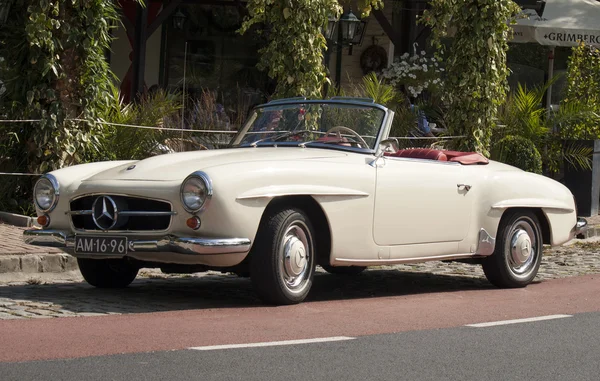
(282, 263)
(107, 273)
(518, 253)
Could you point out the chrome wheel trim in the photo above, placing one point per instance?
(296, 257)
(522, 250)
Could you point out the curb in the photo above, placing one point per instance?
(37, 263)
(592, 231)
(17, 219)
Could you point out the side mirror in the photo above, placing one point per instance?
(389, 145)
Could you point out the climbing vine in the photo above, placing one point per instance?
(475, 64)
(54, 69)
(294, 53)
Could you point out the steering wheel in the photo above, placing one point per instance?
(348, 130)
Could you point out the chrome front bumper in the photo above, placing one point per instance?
(581, 226)
(180, 245)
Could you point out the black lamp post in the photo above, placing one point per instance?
(349, 23)
(330, 29)
(178, 19)
(4, 10)
(348, 27)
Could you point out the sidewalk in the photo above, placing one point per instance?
(16, 256)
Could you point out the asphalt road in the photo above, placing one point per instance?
(400, 335)
(562, 349)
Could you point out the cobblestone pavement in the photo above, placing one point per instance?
(153, 291)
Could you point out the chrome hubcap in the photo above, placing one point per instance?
(296, 256)
(523, 248)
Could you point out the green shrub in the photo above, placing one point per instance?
(583, 93)
(518, 151)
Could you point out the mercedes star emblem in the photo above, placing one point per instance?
(104, 212)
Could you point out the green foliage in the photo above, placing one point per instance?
(583, 94)
(476, 64)
(294, 53)
(54, 69)
(127, 143)
(519, 152)
(523, 115)
(378, 90)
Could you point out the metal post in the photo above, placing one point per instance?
(139, 51)
(550, 75)
(338, 60)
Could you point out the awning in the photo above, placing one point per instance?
(562, 23)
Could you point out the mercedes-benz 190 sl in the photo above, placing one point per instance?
(303, 183)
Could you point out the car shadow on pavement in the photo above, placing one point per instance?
(218, 291)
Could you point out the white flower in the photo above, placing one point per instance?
(423, 52)
(442, 69)
(404, 56)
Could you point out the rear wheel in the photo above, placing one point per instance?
(107, 273)
(518, 253)
(283, 257)
(343, 270)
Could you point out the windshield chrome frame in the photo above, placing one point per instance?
(382, 131)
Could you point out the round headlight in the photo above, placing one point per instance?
(46, 193)
(196, 191)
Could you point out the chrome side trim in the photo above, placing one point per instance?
(180, 245)
(376, 262)
(486, 243)
(320, 194)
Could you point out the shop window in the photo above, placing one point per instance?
(214, 56)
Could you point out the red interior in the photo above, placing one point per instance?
(334, 138)
(465, 158)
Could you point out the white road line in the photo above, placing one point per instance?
(273, 343)
(517, 321)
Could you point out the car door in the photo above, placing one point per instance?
(421, 201)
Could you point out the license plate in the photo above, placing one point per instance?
(100, 245)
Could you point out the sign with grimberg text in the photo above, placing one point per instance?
(560, 23)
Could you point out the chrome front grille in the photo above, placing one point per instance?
(103, 212)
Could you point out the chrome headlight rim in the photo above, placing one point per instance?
(55, 185)
(209, 191)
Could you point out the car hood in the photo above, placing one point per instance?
(177, 166)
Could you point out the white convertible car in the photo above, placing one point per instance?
(304, 183)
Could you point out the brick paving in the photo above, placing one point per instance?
(11, 242)
(41, 295)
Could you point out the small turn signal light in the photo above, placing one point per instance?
(43, 220)
(193, 223)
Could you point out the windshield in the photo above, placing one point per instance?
(340, 124)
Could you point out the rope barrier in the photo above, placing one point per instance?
(18, 174)
(218, 131)
(427, 137)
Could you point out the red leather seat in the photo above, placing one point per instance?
(420, 153)
(334, 139)
(466, 158)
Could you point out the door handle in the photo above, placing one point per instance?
(466, 187)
